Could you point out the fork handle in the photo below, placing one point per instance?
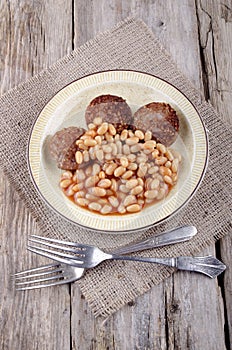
(207, 265)
(177, 235)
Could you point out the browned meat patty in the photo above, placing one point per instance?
(161, 119)
(63, 147)
(112, 109)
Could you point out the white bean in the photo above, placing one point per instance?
(106, 209)
(130, 199)
(95, 206)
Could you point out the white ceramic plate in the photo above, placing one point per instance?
(67, 108)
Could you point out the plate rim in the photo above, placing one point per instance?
(133, 230)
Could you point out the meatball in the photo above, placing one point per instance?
(63, 147)
(112, 109)
(161, 119)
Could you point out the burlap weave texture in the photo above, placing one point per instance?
(112, 284)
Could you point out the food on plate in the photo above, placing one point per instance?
(161, 119)
(119, 173)
(111, 109)
(63, 147)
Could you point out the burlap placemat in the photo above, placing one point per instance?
(129, 45)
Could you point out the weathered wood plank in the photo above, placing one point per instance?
(215, 23)
(31, 38)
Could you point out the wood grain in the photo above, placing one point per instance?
(28, 45)
(186, 311)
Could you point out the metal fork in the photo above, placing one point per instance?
(86, 256)
(53, 274)
(46, 276)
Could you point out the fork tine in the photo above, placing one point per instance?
(40, 280)
(59, 241)
(76, 258)
(64, 281)
(76, 250)
(44, 267)
(55, 257)
(37, 274)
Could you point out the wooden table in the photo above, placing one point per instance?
(186, 311)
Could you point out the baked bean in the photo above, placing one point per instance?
(69, 191)
(136, 190)
(155, 153)
(133, 208)
(97, 191)
(83, 202)
(104, 183)
(119, 146)
(98, 139)
(126, 149)
(130, 199)
(114, 185)
(114, 149)
(112, 129)
(79, 194)
(131, 183)
(94, 206)
(175, 165)
(124, 135)
(124, 189)
(168, 164)
(127, 174)
(160, 160)
(79, 157)
(132, 166)
(136, 148)
(131, 157)
(132, 141)
(147, 136)
(151, 194)
(165, 171)
(110, 168)
(161, 148)
(121, 209)
(169, 155)
(150, 144)
(102, 175)
(96, 169)
(113, 201)
(106, 209)
(168, 179)
(78, 187)
(119, 171)
(139, 134)
(90, 142)
(140, 181)
(100, 155)
(153, 170)
(124, 162)
(102, 128)
(142, 170)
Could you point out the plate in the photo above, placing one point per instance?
(67, 108)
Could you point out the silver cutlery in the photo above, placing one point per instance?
(57, 274)
(86, 256)
(46, 276)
